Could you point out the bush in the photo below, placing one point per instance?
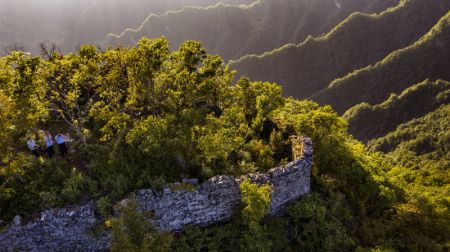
(76, 186)
(132, 232)
(104, 207)
(257, 201)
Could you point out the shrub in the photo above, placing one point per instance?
(257, 201)
(132, 232)
(76, 185)
(104, 207)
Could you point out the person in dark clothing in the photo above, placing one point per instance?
(61, 141)
(49, 143)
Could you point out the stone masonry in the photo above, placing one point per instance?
(70, 229)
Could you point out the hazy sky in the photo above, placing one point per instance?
(70, 23)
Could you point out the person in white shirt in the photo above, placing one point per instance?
(33, 147)
(49, 144)
(61, 141)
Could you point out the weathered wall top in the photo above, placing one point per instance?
(212, 202)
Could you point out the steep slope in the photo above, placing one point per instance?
(70, 23)
(429, 57)
(419, 152)
(234, 31)
(368, 122)
(360, 40)
(426, 135)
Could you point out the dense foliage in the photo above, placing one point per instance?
(131, 231)
(145, 115)
(141, 116)
(425, 135)
(420, 152)
(361, 201)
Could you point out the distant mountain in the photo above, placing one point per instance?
(424, 135)
(234, 31)
(367, 122)
(360, 40)
(28, 23)
(428, 58)
(106, 16)
(70, 23)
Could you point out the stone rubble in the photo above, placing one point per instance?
(70, 229)
(57, 230)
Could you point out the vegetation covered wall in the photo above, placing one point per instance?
(212, 202)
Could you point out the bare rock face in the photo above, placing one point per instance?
(214, 201)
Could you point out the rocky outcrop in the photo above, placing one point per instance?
(71, 229)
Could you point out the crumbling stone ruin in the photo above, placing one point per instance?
(213, 201)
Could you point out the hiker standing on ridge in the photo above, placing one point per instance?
(33, 147)
(49, 143)
(61, 141)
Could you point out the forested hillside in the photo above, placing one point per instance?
(69, 23)
(372, 121)
(420, 149)
(141, 116)
(154, 112)
(145, 115)
(428, 135)
(233, 31)
(360, 40)
(426, 58)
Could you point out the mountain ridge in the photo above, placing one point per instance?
(233, 32)
(172, 12)
(361, 39)
(421, 135)
(426, 58)
(367, 122)
(70, 24)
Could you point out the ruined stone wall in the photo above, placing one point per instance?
(70, 229)
(67, 229)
